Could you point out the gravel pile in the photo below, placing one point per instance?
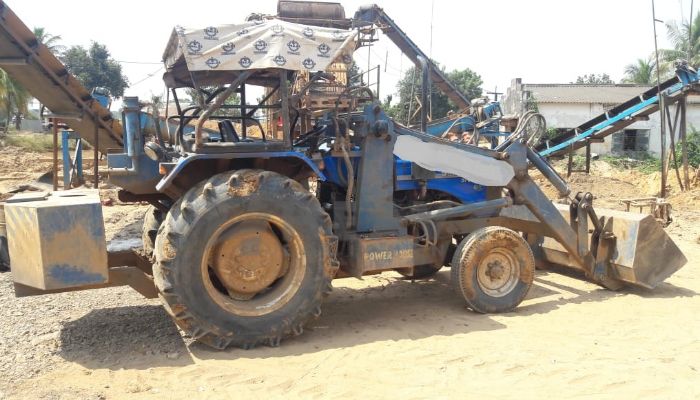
(95, 328)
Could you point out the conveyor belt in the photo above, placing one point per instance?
(623, 115)
(34, 67)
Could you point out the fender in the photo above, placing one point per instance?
(167, 180)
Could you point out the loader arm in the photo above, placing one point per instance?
(589, 250)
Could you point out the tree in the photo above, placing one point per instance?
(595, 79)
(355, 77)
(409, 90)
(683, 48)
(49, 40)
(13, 98)
(642, 72)
(95, 67)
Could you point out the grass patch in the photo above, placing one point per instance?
(646, 164)
(35, 142)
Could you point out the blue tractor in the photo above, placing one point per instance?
(258, 206)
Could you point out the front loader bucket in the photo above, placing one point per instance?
(644, 255)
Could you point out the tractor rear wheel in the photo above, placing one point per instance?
(493, 269)
(152, 220)
(245, 258)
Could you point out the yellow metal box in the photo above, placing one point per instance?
(57, 240)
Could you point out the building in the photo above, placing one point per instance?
(566, 106)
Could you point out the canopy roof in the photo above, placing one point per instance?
(260, 44)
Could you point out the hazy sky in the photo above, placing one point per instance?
(541, 41)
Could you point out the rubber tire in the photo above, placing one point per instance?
(190, 223)
(468, 256)
(152, 220)
(4, 255)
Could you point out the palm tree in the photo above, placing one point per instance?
(14, 99)
(643, 71)
(49, 40)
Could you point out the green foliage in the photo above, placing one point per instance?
(197, 97)
(355, 75)
(36, 142)
(410, 86)
(13, 99)
(551, 133)
(682, 47)
(531, 104)
(644, 163)
(595, 79)
(693, 146)
(95, 67)
(49, 40)
(641, 72)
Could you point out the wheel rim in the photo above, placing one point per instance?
(253, 264)
(498, 272)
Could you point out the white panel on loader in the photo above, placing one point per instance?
(438, 157)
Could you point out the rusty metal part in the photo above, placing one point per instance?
(498, 272)
(313, 13)
(249, 259)
(260, 261)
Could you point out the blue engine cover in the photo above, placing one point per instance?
(463, 190)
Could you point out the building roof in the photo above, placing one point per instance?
(575, 93)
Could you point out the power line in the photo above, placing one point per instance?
(139, 62)
(147, 77)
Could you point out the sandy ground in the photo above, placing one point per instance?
(385, 337)
(382, 337)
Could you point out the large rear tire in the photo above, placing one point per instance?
(152, 220)
(245, 258)
(493, 269)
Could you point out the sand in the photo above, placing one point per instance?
(385, 337)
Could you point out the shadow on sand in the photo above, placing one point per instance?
(140, 337)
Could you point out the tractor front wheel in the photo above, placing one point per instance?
(493, 269)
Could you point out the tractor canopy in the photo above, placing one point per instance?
(214, 54)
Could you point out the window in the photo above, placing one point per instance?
(631, 141)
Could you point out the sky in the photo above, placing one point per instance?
(540, 41)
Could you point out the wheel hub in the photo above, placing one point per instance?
(249, 259)
(495, 270)
(498, 271)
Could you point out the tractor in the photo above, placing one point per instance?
(257, 206)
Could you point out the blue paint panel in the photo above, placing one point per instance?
(465, 191)
(463, 124)
(71, 275)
